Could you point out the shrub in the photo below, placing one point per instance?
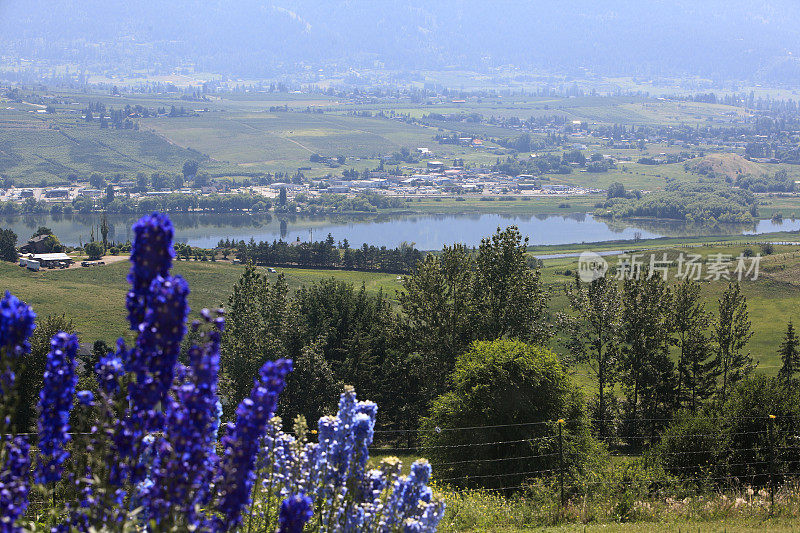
(745, 421)
(513, 393)
(690, 445)
(94, 250)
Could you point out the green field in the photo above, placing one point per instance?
(95, 297)
(238, 133)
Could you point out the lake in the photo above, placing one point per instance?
(427, 232)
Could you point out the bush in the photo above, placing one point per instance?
(519, 391)
(690, 445)
(94, 250)
(745, 425)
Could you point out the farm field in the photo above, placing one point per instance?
(240, 133)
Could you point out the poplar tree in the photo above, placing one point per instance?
(593, 335)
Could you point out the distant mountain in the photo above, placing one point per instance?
(747, 39)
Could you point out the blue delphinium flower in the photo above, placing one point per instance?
(363, 433)
(108, 371)
(151, 256)
(14, 483)
(340, 449)
(153, 358)
(55, 405)
(407, 493)
(241, 443)
(347, 497)
(16, 325)
(191, 424)
(152, 362)
(85, 398)
(295, 512)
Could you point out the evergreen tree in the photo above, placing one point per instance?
(439, 311)
(249, 340)
(8, 245)
(790, 357)
(511, 301)
(689, 320)
(732, 333)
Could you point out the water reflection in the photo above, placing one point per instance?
(427, 231)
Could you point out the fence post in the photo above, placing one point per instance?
(561, 461)
(771, 465)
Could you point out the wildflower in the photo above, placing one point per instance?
(14, 482)
(16, 325)
(55, 405)
(241, 443)
(152, 362)
(108, 370)
(191, 424)
(158, 345)
(295, 512)
(151, 256)
(85, 398)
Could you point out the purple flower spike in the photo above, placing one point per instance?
(295, 512)
(151, 255)
(14, 483)
(241, 444)
(16, 325)
(55, 405)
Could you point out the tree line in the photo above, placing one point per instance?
(325, 254)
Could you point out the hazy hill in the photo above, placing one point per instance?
(722, 38)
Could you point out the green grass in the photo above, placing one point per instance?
(533, 205)
(94, 298)
(34, 148)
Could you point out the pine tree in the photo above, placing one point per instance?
(732, 333)
(789, 355)
(689, 320)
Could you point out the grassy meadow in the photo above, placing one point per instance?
(95, 297)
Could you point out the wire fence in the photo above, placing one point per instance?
(755, 455)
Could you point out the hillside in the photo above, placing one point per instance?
(725, 166)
